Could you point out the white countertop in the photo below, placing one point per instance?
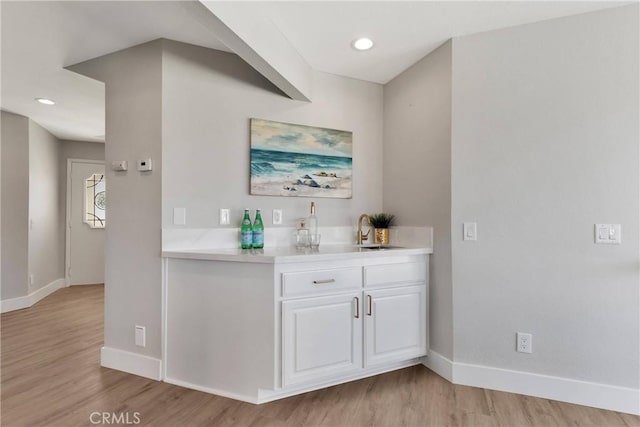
(286, 254)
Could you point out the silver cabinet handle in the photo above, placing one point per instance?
(322, 282)
(369, 308)
(357, 316)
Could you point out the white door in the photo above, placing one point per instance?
(322, 337)
(85, 251)
(395, 324)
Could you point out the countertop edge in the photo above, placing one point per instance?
(261, 258)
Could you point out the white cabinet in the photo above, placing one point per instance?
(259, 331)
(395, 324)
(322, 337)
(375, 316)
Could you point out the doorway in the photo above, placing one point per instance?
(86, 220)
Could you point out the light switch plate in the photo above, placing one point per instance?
(224, 216)
(608, 234)
(179, 216)
(469, 231)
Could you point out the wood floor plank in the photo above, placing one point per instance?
(51, 376)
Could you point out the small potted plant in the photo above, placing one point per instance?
(381, 223)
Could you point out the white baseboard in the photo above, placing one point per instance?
(15, 304)
(604, 396)
(35, 296)
(47, 290)
(132, 363)
(439, 364)
(235, 396)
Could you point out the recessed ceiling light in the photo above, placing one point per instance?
(46, 101)
(363, 44)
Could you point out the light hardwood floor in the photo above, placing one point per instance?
(51, 376)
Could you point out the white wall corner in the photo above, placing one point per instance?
(131, 363)
(259, 42)
(35, 296)
(439, 364)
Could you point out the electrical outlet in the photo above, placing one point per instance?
(141, 339)
(277, 216)
(524, 343)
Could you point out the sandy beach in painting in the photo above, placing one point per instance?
(343, 190)
(297, 160)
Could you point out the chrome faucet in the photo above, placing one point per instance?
(361, 236)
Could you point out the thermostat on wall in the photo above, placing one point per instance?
(119, 165)
(144, 165)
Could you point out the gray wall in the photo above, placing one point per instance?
(209, 97)
(544, 145)
(34, 189)
(15, 205)
(85, 150)
(417, 172)
(46, 234)
(33, 192)
(134, 131)
(194, 104)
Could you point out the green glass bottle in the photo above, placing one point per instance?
(258, 231)
(246, 232)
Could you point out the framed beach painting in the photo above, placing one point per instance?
(300, 161)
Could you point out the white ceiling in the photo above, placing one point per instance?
(403, 32)
(40, 38)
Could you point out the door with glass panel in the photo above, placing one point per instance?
(86, 220)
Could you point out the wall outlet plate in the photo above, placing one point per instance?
(524, 342)
(277, 216)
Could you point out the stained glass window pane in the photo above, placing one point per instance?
(95, 201)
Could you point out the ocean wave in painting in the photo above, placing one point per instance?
(262, 168)
(300, 174)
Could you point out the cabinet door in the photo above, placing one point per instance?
(395, 324)
(322, 337)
